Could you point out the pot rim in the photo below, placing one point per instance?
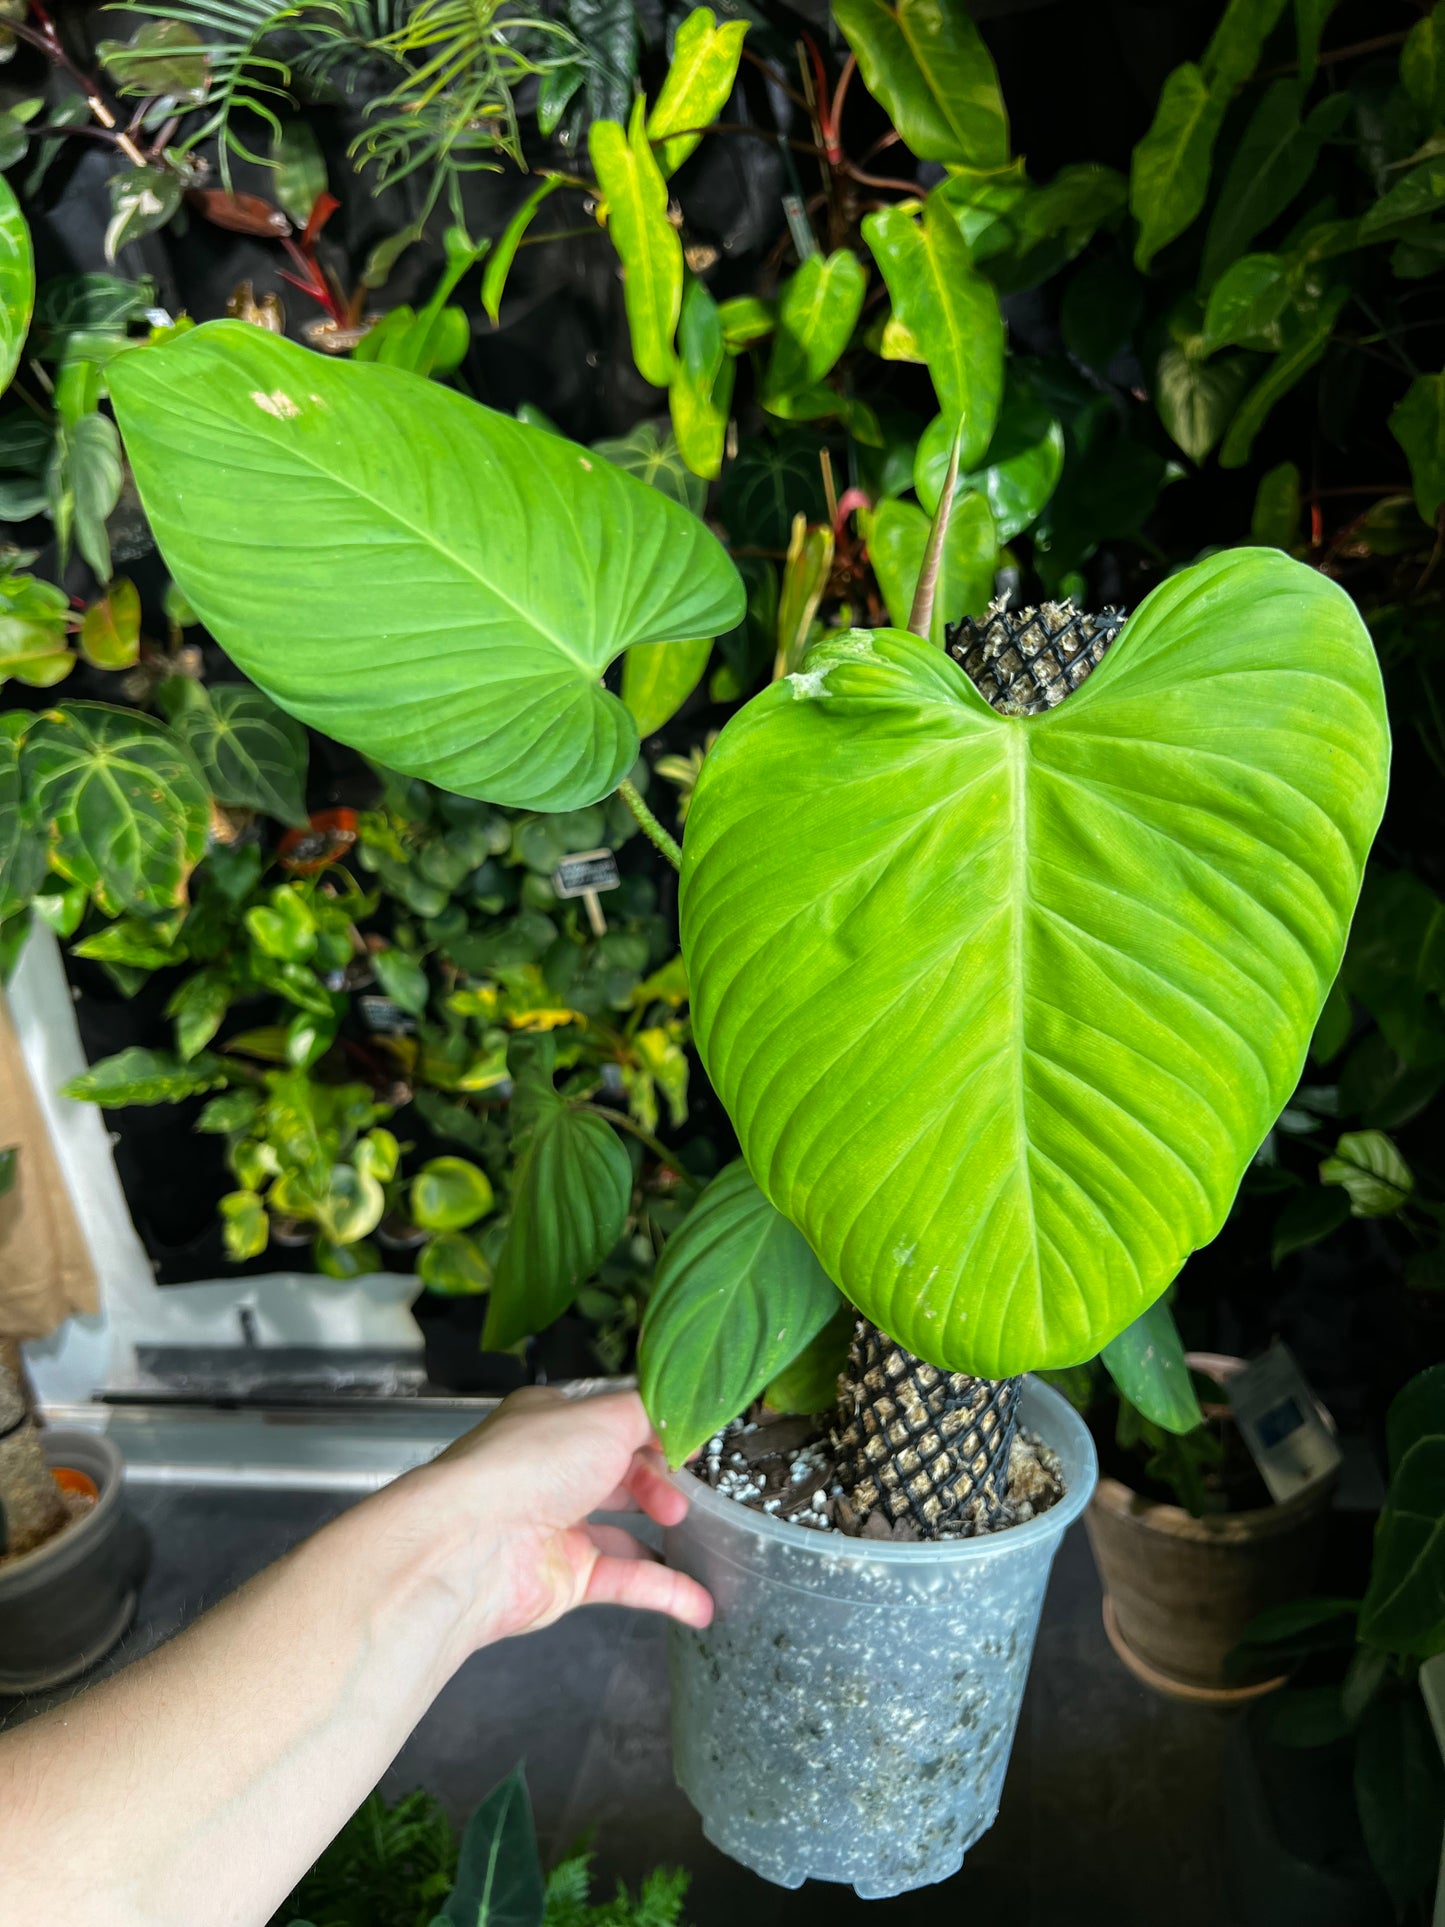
(1256, 1522)
(1044, 1410)
(110, 1479)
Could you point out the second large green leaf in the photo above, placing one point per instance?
(434, 583)
(1002, 1006)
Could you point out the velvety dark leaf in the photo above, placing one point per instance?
(125, 802)
(1400, 1793)
(252, 754)
(1404, 1609)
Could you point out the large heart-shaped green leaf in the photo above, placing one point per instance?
(126, 806)
(738, 1295)
(17, 282)
(1001, 1007)
(433, 583)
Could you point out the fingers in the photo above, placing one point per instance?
(648, 1489)
(630, 1576)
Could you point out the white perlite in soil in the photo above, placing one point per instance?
(849, 1714)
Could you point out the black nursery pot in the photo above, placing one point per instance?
(451, 1332)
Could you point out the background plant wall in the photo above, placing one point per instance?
(1177, 269)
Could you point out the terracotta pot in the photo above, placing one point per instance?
(1179, 1591)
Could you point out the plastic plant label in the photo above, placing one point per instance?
(588, 871)
(384, 1018)
(1283, 1424)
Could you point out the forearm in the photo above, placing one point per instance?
(196, 1787)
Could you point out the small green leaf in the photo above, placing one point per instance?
(198, 1006)
(298, 179)
(1375, 1177)
(652, 455)
(810, 1382)
(897, 539)
(499, 1880)
(403, 979)
(1236, 44)
(351, 1206)
(22, 842)
(1169, 177)
(571, 1188)
(950, 310)
(235, 1110)
(162, 58)
(1246, 304)
(449, 1194)
(286, 927)
(133, 941)
(1274, 523)
(1404, 1608)
(1309, 1216)
(83, 481)
(702, 392)
(1196, 399)
(1019, 471)
(699, 80)
(658, 678)
(17, 283)
(928, 67)
(1304, 343)
(355, 1260)
(818, 309)
(244, 1225)
(110, 629)
(142, 199)
(126, 805)
(454, 1264)
(1273, 162)
(1416, 1412)
(1310, 17)
(647, 244)
(737, 1296)
(253, 754)
(33, 619)
(1400, 1794)
(773, 479)
(1422, 65)
(140, 1076)
(746, 318)
(504, 253)
(1146, 1361)
(1418, 425)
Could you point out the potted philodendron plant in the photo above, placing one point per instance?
(1004, 957)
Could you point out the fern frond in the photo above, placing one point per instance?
(245, 76)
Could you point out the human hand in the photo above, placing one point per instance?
(517, 1493)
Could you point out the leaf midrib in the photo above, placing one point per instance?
(1016, 749)
(388, 510)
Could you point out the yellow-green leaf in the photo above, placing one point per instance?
(950, 310)
(647, 243)
(658, 678)
(699, 80)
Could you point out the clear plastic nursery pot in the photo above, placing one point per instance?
(850, 1712)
